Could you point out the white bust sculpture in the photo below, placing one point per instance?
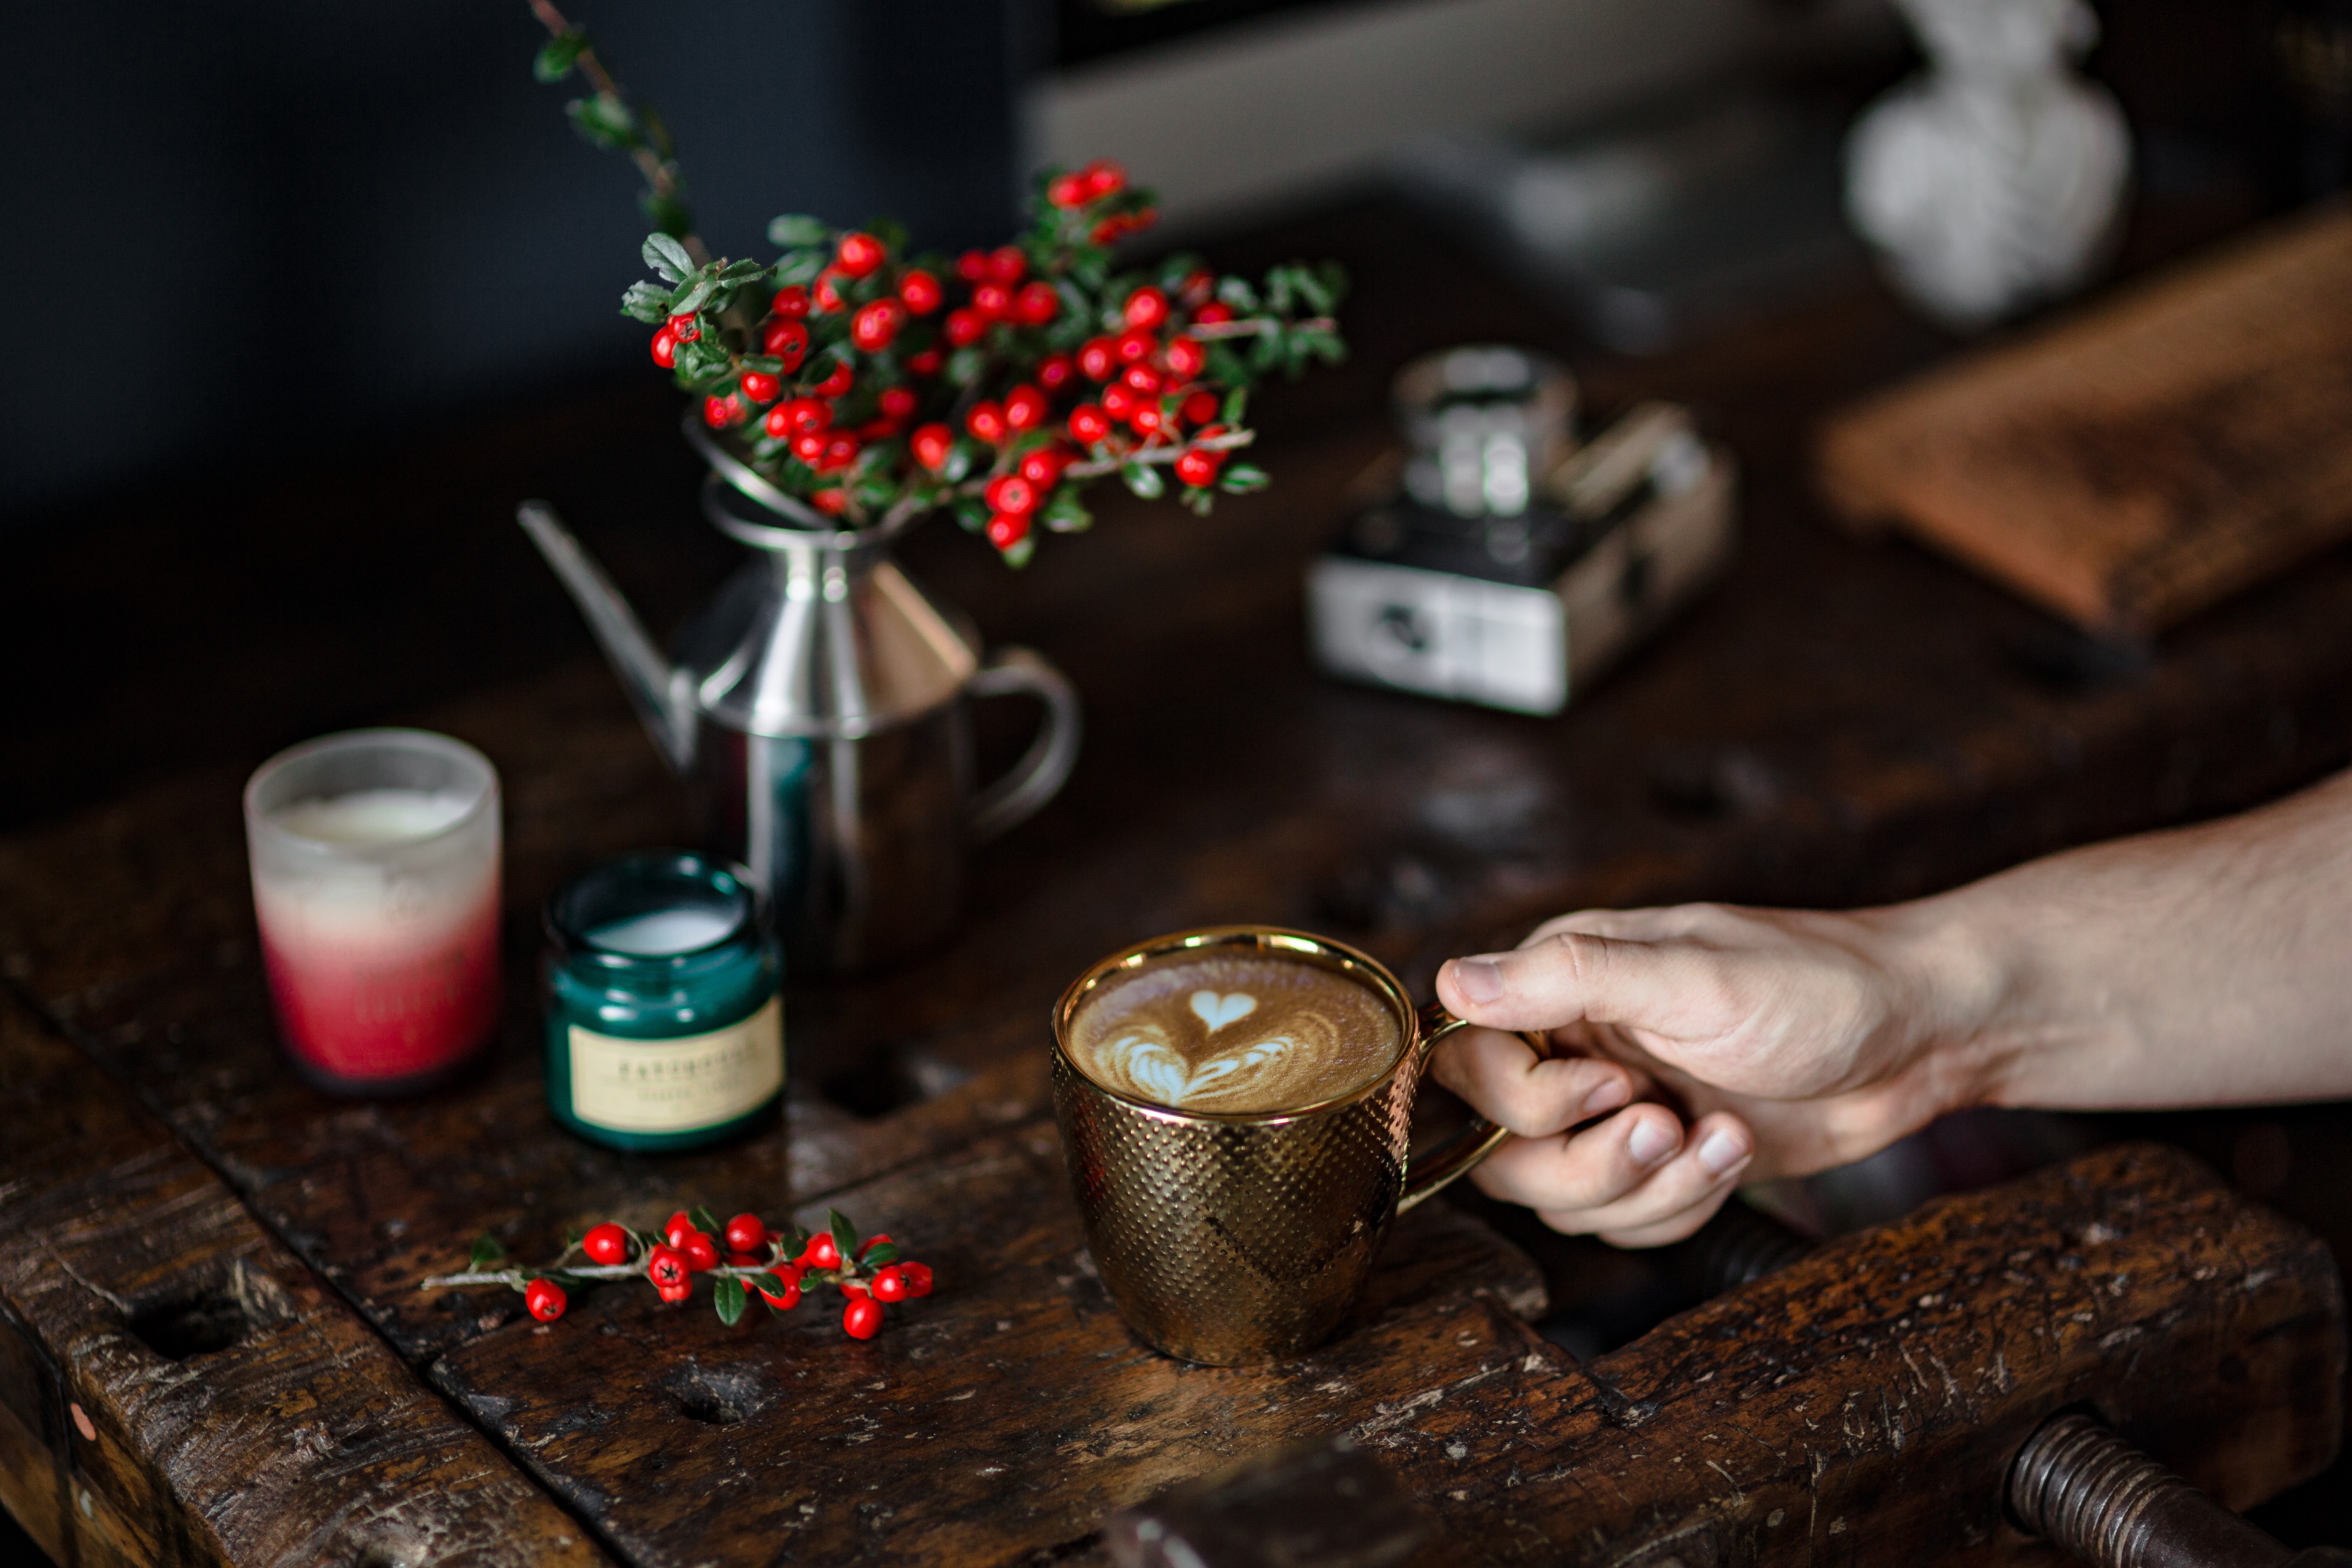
(1993, 180)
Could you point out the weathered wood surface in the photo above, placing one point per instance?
(176, 1387)
(1834, 725)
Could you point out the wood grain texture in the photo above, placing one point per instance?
(2145, 458)
(176, 1387)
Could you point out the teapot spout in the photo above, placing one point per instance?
(661, 694)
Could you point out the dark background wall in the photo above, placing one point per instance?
(261, 226)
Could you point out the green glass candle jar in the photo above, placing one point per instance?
(664, 1028)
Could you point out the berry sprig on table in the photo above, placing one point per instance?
(744, 1258)
(875, 385)
(869, 385)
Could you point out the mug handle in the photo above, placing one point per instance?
(1015, 798)
(1426, 1176)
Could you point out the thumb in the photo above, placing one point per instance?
(1576, 977)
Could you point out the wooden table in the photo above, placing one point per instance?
(215, 1348)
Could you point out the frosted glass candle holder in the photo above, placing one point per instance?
(375, 881)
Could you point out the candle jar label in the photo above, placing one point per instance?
(678, 1085)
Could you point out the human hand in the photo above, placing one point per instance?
(1729, 1044)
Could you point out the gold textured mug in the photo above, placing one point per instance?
(1230, 1237)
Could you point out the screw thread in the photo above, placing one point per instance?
(2083, 1487)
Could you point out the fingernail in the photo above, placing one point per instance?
(1649, 1142)
(1722, 1151)
(1479, 978)
(1608, 1097)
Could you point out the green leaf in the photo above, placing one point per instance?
(727, 1296)
(960, 458)
(1200, 499)
(766, 1285)
(667, 256)
(647, 302)
(604, 122)
(1018, 556)
(880, 1253)
(1236, 292)
(1143, 479)
(966, 365)
(693, 297)
(704, 1220)
(1312, 289)
(1240, 479)
(667, 213)
(797, 229)
(487, 1251)
(560, 55)
(801, 267)
(844, 1235)
(1237, 405)
(971, 513)
(705, 356)
(1065, 513)
(742, 272)
(890, 231)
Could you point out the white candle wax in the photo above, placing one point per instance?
(664, 932)
(373, 816)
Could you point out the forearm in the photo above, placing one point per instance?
(2206, 966)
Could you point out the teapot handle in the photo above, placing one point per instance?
(1032, 782)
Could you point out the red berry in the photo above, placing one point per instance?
(545, 1299)
(802, 415)
(821, 1252)
(1069, 190)
(862, 1319)
(720, 412)
(888, 1287)
(859, 254)
(1147, 306)
(839, 453)
(986, 421)
(1043, 468)
(918, 1277)
(932, 445)
(993, 300)
(828, 292)
(1199, 468)
(686, 328)
(1147, 418)
(878, 429)
(1110, 228)
(788, 340)
(965, 326)
(607, 1243)
(1199, 407)
(1186, 357)
(1215, 310)
(701, 1253)
(831, 503)
(1006, 530)
(792, 303)
(920, 290)
(784, 1299)
(667, 1267)
(1197, 286)
(809, 446)
(1089, 423)
(897, 403)
(925, 363)
(875, 325)
(1006, 264)
(1134, 345)
(1098, 359)
(1056, 373)
(664, 348)
(1143, 378)
(870, 1243)
(744, 1260)
(1118, 400)
(676, 1228)
(836, 382)
(1037, 304)
(1025, 408)
(972, 266)
(759, 386)
(745, 1233)
(1105, 178)
(1012, 493)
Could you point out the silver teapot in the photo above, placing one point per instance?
(820, 706)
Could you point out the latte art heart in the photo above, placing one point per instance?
(1241, 1032)
(1218, 1011)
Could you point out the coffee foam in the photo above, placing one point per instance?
(1234, 1033)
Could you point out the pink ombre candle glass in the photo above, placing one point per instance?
(375, 878)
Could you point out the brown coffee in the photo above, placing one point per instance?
(1234, 1032)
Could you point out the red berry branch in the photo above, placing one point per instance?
(744, 1258)
(853, 381)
